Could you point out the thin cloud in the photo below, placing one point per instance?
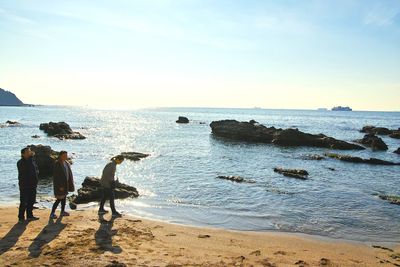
(382, 15)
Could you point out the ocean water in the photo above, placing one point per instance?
(178, 181)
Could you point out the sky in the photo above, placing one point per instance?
(202, 53)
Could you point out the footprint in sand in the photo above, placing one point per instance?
(203, 236)
(324, 262)
(267, 263)
(256, 253)
(171, 234)
(301, 263)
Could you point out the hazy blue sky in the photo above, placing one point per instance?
(272, 54)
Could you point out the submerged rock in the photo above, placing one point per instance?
(182, 119)
(92, 190)
(312, 157)
(45, 158)
(391, 199)
(12, 123)
(373, 141)
(294, 173)
(61, 130)
(35, 136)
(257, 133)
(135, 156)
(397, 151)
(237, 179)
(372, 161)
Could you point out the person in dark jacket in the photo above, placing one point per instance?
(63, 182)
(108, 183)
(27, 181)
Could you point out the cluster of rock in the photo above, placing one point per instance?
(381, 131)
(61, 130)
(45, 158)
(294, 173)
(397, 151)
(257, 133)
(237, 179)
(353, 159)
(373, 141)
(91, 190)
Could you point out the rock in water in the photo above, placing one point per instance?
(182, 119)
(373, 141)
(236, 179)
(45, 159)
(395, 134)
(381, 131)
(92, 191)
(135, 156)
(372, 161)
(312, 157)
(12, 122)
(294, 173)
(256, 133)
(397, 151)
(391, 199)
(61, 130)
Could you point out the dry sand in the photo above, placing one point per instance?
(85, 239)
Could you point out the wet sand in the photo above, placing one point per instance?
(86, 239)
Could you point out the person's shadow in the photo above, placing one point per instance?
(48, 234)
(104, 234)
(11, 238)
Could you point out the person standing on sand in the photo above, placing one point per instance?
(108, 183)
(27, 181)
(63, 182)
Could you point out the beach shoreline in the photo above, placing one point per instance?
(84, 238)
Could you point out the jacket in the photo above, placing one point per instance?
(61, 183)
(27, 173)
(107, 178)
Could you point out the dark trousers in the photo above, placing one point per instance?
(27, 197)
(58, 201)
(108, 193)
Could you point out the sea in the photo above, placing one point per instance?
(178, 182)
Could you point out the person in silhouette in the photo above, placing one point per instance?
(63, 182)
(108, 183)
(27, 180)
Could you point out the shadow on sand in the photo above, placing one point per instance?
(104, 234)
(11, 238)
(48, 234)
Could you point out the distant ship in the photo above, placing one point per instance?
(340, 108)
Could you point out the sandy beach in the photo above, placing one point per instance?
(86, 239)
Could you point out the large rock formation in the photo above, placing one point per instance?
(294, 173)
(91, 190)
(373, 141)
(61, 130)
(397, 151)
(182, 119)
(257, 133)
(9, 99)
(45, 158)
(352, 159)
(381, 131)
